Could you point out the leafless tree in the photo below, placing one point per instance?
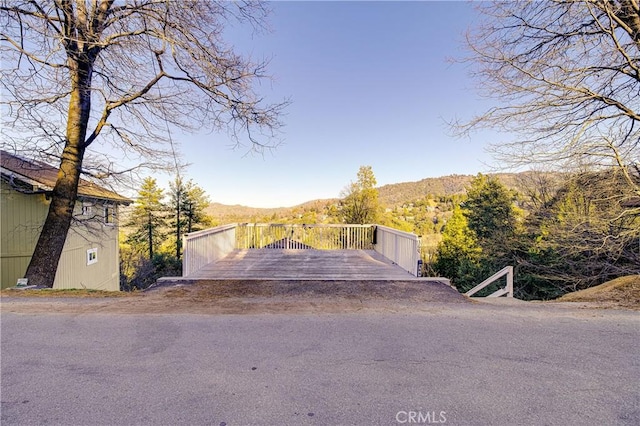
(588, 236)
(84, 76)
(566, 74)
(538, 187)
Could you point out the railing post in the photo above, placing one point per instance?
(186, 257)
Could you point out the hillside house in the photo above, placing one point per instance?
(90, 258)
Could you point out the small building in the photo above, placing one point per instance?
(90, 258)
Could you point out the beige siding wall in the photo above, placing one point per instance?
(21, 221)
(21, 218)
(74, 270)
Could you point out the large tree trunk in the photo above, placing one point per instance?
(44, 261)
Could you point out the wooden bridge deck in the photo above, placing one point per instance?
(283, 264)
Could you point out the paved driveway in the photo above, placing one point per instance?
(454, 364)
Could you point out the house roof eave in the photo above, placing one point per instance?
(43, 178)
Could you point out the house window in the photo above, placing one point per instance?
(92, 256)
(87, 209)
(109, 215)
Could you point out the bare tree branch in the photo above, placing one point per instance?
(566, 74)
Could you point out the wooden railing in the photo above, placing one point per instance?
(507, 290)
(319, 236)
(402, 248)
(204, 247)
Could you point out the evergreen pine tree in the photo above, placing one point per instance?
(187, 204)
(148, 219)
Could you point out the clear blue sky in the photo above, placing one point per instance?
(370, 84)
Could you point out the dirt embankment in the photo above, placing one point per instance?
(237, 297)
(263, 296)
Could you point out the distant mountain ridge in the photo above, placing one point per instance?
(240, 213)
(221, 210)
(390, 195)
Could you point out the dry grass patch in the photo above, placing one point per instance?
(622, 292)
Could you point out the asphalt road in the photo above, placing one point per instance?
(458, 365)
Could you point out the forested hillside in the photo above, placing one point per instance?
(390, 196)
(398, 194)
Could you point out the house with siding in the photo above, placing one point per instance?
(90, 258)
